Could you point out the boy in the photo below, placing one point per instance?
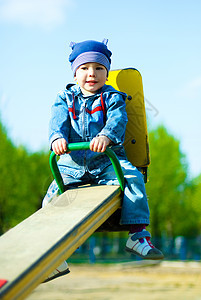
(95, 112)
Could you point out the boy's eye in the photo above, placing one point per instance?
(84, 68)
(99, 68)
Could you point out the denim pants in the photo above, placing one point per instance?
(135, 208)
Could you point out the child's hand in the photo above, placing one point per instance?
(59, 146)
(99, 143)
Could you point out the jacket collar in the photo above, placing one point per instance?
(75, 89)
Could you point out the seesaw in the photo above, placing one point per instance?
(30, 251)
(34, 248)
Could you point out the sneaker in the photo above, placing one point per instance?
(139, 244)
(60, 271)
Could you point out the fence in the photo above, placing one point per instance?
(109, 249)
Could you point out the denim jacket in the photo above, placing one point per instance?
(79, 119)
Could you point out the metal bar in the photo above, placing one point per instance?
(85, 146)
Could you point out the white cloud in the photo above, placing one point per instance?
(195, 83)
(43, 13)
(191, 89)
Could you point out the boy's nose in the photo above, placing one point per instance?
(92, 72)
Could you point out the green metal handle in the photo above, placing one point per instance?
(85, 146)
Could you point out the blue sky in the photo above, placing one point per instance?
(162, 39)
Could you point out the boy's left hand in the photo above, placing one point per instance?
(99, 143)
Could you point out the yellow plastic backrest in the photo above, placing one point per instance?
(136, 144)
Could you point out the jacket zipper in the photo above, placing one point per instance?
(84, 131)
(83, 122)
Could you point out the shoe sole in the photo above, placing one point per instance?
(57, 275)
(152, 257)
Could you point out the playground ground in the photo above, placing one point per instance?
(137, 280)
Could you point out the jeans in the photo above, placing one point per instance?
(135, 208)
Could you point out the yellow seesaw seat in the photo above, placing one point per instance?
(136, 144)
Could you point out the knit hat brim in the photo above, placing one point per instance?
(88, 57)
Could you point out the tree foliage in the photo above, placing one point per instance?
(174, 210)
(24, 178)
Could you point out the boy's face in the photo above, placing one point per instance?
(91, 77)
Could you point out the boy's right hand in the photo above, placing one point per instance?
(60, 146)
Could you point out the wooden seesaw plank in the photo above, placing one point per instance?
(30, 251)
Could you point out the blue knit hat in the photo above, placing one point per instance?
(90, 51)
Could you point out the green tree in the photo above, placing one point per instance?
(167, 184)
(194, 198)
(188, 215)
(6, 182)
(24, 178)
